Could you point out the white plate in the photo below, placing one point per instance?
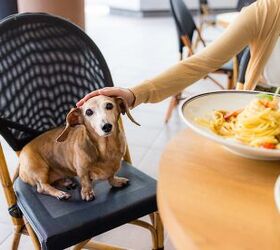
(201, 106)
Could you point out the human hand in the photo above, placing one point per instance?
(126, 94)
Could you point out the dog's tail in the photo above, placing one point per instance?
(16, 174)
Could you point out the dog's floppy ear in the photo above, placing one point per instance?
(73, 118)
(124, 109)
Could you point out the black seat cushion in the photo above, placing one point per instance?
(60, 224)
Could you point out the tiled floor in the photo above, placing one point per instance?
(135, 49)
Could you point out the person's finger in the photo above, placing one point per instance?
(79, 103)
(91, 94)
(86, 97)
(110, 92)
(126, 94)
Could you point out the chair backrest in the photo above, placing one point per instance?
(47, 64)
(203, 2)
(243, 64)
(203, 5)
(243, 3)
(184, 21)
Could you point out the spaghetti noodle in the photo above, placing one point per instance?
(257, 125)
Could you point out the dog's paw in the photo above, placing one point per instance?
(63, 195)
(87, 195)
(119, 182)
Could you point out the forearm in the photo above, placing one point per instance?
(178, 77)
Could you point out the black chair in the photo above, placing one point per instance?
(243, 65)
(206, 16)
(186, 29)
(244, 61)
(8, 7)
(243, 3)
(202, 4)
(47, 64)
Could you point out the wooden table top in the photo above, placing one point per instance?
(212, 199)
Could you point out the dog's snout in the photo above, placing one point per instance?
(107, 127)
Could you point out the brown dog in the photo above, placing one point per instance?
(91, 147)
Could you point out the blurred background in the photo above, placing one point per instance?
(138, 40)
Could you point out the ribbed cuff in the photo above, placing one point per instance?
(141, 92)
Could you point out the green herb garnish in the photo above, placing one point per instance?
(265, 96)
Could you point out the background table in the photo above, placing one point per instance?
(212, 199)
(225, 19)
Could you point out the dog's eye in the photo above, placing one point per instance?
(109, 106)
(89, 112)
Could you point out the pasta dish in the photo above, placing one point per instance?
(257, 125)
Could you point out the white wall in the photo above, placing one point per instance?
(125, 4)
(154, 4)
(138, 5)
(215, 4)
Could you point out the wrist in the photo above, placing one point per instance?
(131, 98)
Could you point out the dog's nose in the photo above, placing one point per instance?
(107, 127)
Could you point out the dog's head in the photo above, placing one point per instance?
(100, 114)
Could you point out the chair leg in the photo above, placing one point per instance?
(90, 245)
(156, 230)
(152, 218)
(172, 105)
(33, 236)
(81, 245)
(181, 55)
(215, 81)
(159, 230)
(151, 228)
(101, 246)
(230, 83)
(16, 238)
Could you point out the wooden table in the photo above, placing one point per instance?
(225, 19)
(212, 199)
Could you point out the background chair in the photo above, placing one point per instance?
(206, 17)
(47, 64)
(186, 29)
(244, 61)
(243, 65)
(8, 7)
(243, 3)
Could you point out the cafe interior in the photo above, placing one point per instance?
(139, 124)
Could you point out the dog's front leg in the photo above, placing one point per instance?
(116, 181)
(87, 192)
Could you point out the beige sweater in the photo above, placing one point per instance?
(257, 25)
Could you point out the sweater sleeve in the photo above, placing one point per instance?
(237, 36)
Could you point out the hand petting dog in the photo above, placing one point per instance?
(91, 146)
(126, 94)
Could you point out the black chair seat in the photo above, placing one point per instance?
(60, 224)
